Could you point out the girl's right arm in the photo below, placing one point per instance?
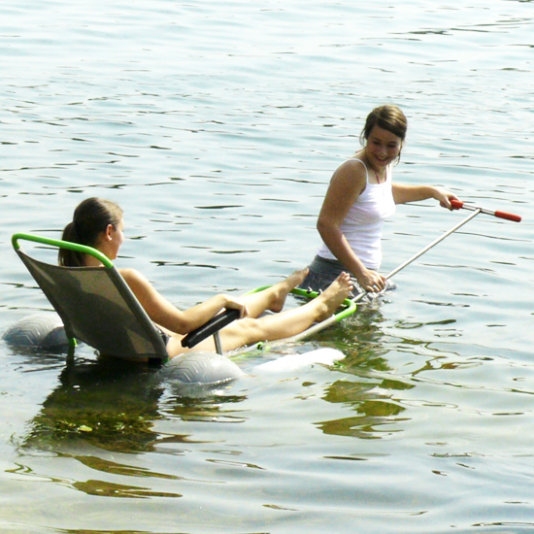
(165, 314)
(347, 183)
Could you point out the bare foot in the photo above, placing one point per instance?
(281, 289)
(333, 296)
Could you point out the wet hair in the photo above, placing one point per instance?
(90, 220)
(387, 117)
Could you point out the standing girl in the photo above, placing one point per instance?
(361, 195)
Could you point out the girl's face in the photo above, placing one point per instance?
(382, 148)
(112, 239)
(117, 240)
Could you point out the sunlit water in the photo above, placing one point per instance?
(217, 125)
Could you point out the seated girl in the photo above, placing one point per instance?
(98, 223)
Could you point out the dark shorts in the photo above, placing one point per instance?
(324, 271)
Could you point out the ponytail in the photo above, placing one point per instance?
(91, 218)
(66, 257)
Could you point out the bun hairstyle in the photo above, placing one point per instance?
(387, 117)
(90, 220)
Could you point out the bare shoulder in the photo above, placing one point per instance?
(350, 175)
(133, 276)
(352, 165)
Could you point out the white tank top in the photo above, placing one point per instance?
(362, 226)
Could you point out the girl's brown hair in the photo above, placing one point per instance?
(91, 218)
(387, 117)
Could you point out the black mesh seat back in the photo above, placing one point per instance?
(97, 307)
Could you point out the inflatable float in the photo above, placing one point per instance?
(39, 331)
(45, 331)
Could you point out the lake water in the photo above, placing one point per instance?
(217, 125)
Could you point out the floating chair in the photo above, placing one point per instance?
(95, 304)
(97, 307)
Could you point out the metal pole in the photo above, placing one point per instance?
(327, 322)
(433, 244)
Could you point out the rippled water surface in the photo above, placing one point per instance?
(216, 126)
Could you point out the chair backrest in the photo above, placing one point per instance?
(96, 305)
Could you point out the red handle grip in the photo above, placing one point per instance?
(509, 216)
(458, 204)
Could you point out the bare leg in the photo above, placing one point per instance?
(286, 324)
(274, 297)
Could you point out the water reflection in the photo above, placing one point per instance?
(106, 403)
(372, 400)
(114, 405)
(361, 339)
(376, 412)
(102, 488)
(383, 370)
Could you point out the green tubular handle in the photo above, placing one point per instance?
(83, 249)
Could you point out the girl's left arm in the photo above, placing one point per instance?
(165, 314)
(403, 193)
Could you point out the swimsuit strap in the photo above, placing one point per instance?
(364, 166)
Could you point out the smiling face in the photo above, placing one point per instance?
(382, 147)
(383, 135)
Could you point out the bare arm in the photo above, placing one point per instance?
(403, 193)
(163, 313)
(347, 183)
